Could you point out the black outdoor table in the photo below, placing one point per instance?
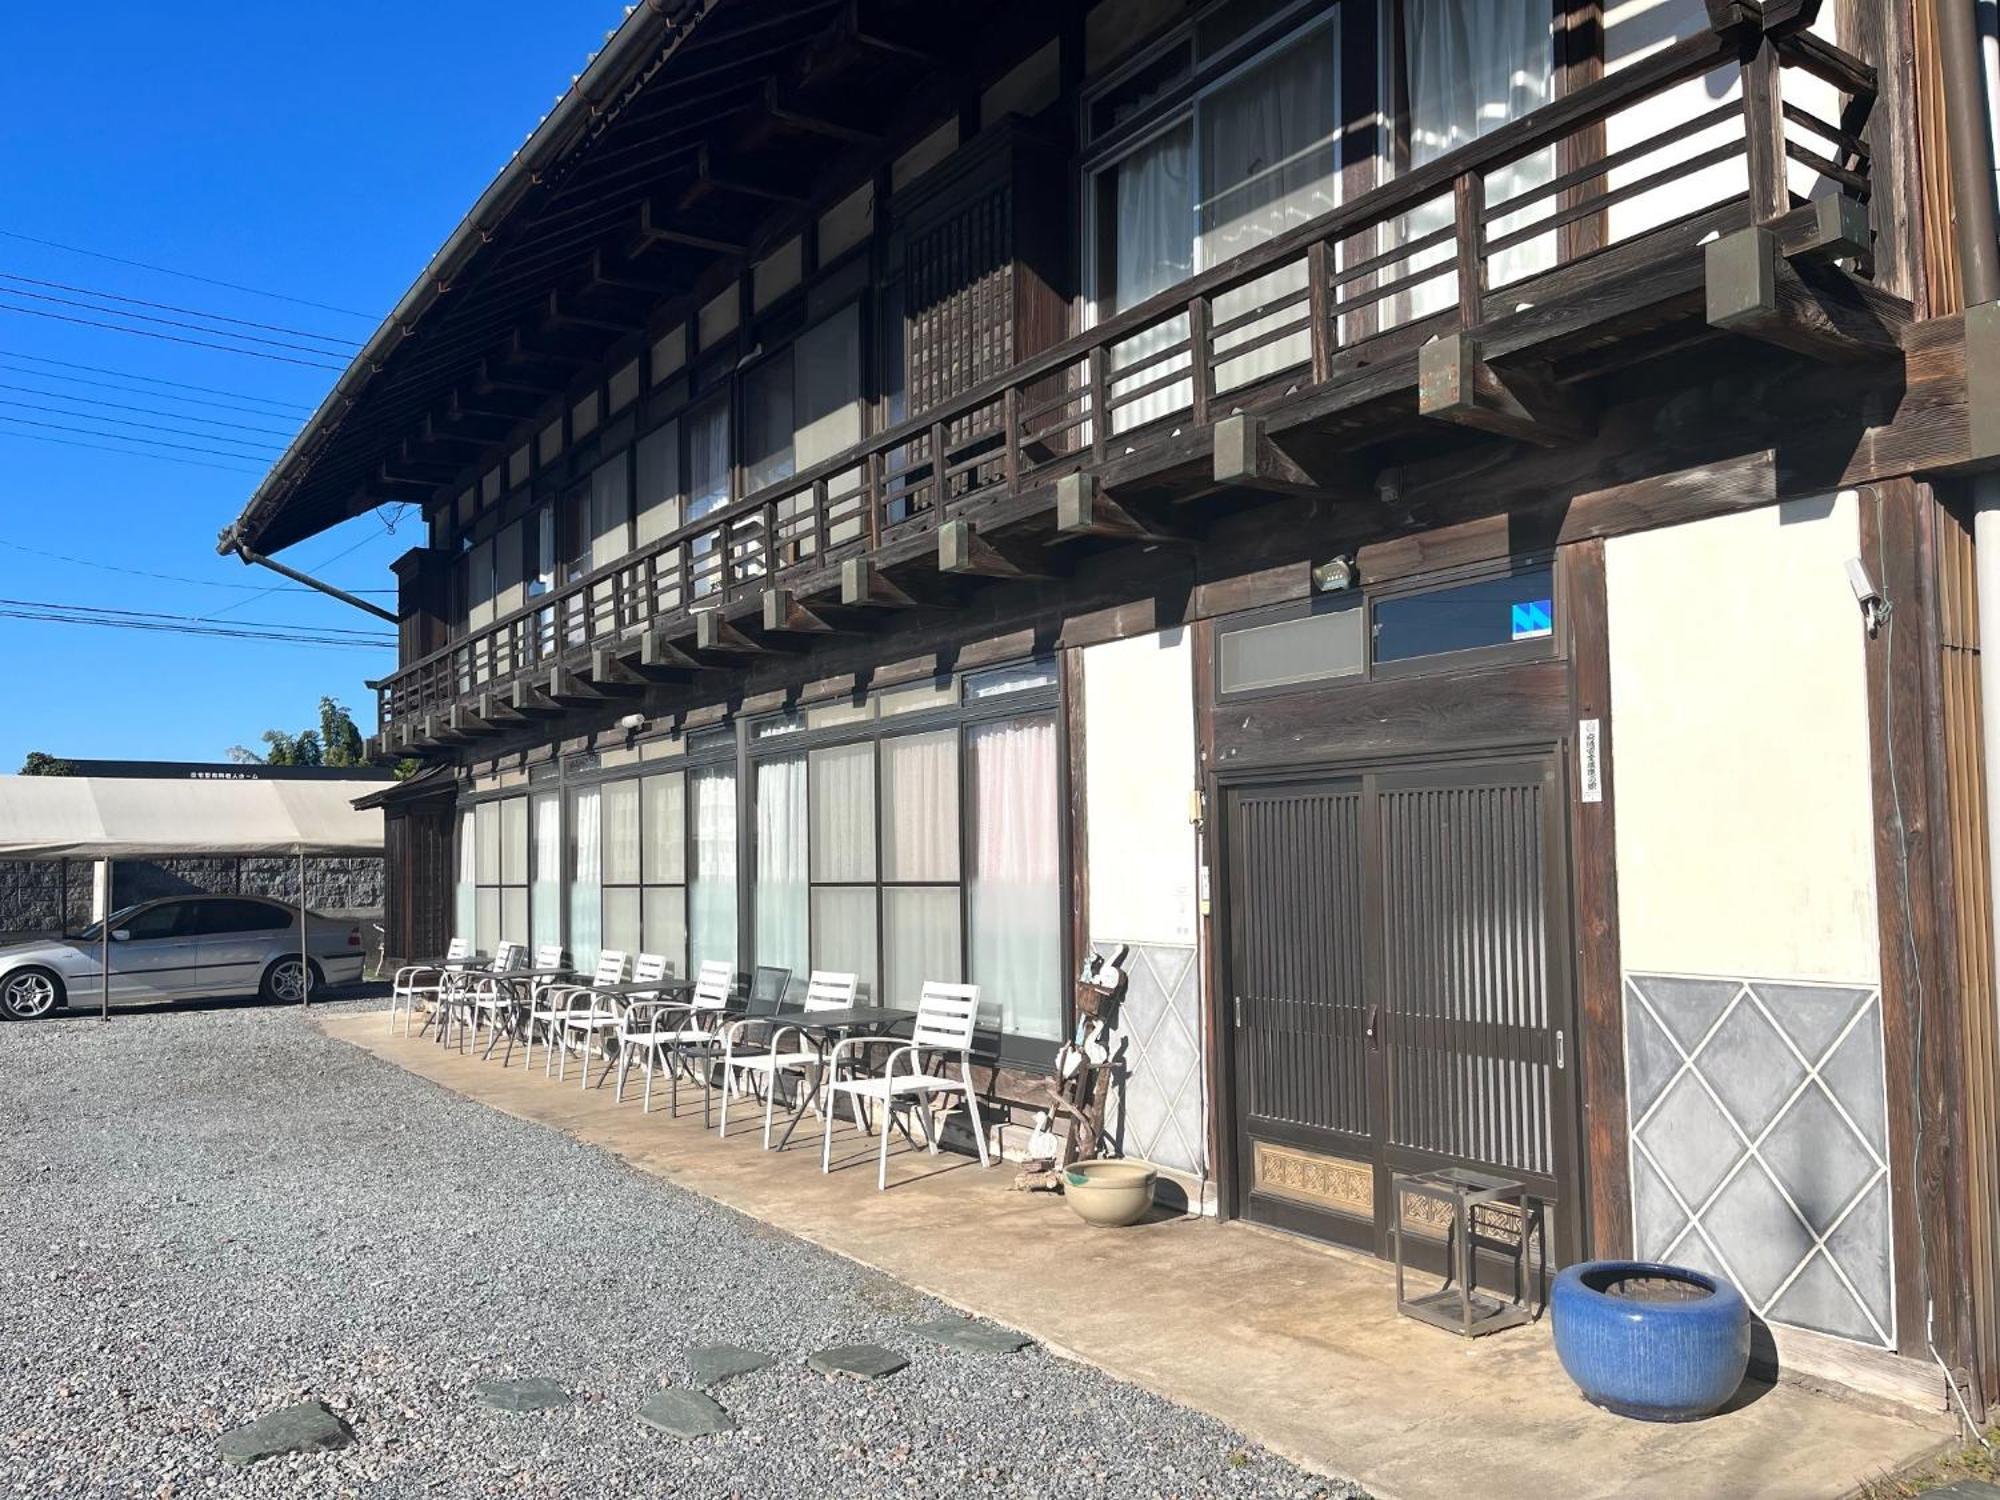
(821, 1028)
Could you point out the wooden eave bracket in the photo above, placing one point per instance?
(863, 586)
(656, 227)
(782, 613)
(1085, 508)
(1454, 384)
(464, 722)
(529, 699)
(657, 659)
(610, 672)
(1248, 456)
(499, 710)
(1802, 303)
(713, 633)
(962, 550)
(1982, 382)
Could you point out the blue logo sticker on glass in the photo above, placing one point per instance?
(1533, 619)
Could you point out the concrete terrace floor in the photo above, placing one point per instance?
(1298, 1346)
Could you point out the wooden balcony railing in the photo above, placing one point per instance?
(1640, 154)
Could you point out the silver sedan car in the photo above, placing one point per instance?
(181, 948)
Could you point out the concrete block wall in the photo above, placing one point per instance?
(42, 896)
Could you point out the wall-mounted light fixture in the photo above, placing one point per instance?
(1334, 575)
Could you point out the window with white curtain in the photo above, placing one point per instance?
(1013, 875)
(1467, 67)
(545, 859)
(663, 868)
(659, 482)
(465, 900)
(781, 885)
(610, 511)
(933, 853)
(618, 819)
(844, 909)
(768, 454)
(586, 932)
(498, 843)
(712, 891)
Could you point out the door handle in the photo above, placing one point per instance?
(1239, 1012)
(1373, 1010)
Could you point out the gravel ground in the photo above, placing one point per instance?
(209, 1214)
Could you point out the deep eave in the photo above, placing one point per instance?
(288, 506)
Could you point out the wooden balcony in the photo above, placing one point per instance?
(1479, 291)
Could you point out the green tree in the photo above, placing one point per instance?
(41, 763)
(336, 742)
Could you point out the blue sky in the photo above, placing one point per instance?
(318, 149)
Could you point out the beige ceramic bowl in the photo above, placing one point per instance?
(1110, 1193)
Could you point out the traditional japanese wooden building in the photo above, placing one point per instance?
(1442, 525)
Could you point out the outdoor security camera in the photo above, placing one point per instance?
(1333, 575)
(1874, 608)
(632, 722)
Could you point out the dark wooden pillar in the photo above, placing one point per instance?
(1600, 1049)
(1923, 1028)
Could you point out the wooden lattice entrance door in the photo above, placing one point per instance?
(1397, 988)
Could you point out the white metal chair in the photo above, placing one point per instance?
(414, 982)
(682, 1032)
(462, 990)
(922, 1067)
(585, 1017)
(644, 1022)
(824, 992)
(491, 1000)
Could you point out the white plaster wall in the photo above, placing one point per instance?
(1741, 747)
(1139, 748)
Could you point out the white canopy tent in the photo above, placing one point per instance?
(106, 818)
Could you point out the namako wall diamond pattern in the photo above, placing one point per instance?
(1760, 1143)
(1156, 1110)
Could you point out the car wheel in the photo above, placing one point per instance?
(281, 981)
(30, 994)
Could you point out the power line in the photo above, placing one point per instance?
(371, 632)
(193, 312)
(209, 583)
(263, 449)
(45, 612)
(180, 416)
(284, 359)
(121, 437)
(345, 312)
(179, 385)
(119, 312)
(165, 458)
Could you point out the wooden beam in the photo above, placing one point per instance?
(1454, 384)
(1248, 457)
(1084, 508)
(801, 117)
(556, 313)
(863, 586)
(572, 691)
(730, 177)
(961, 549)
(656, 227)
(1813, 310)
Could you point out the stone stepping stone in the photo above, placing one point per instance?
(530, 1393)
(685, 1414)
(308, 1427)
(975, 1338)
(1965, 1489)
(712, 1364)
(860, 1361)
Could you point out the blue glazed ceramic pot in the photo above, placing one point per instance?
(1659, 1343)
